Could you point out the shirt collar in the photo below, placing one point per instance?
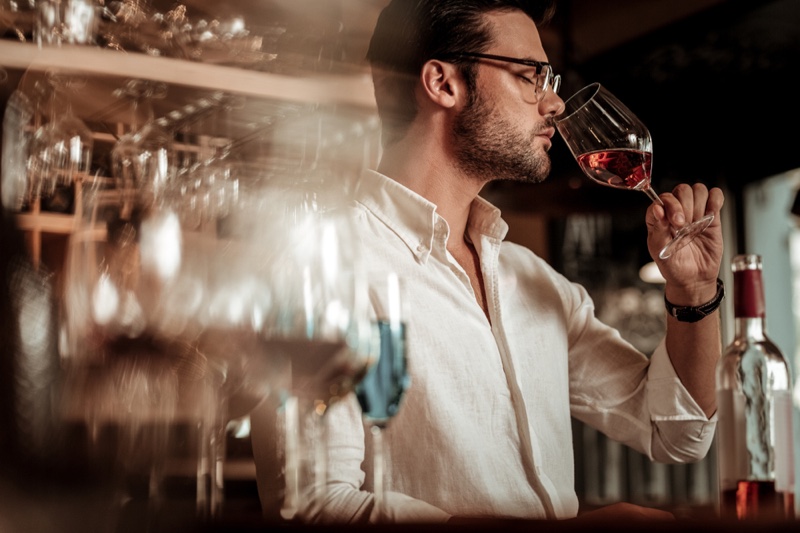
(413, 218)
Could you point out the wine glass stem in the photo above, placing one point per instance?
(379, 478)
(320, 461)
(653, 195)
(291, 421)
(210, 466)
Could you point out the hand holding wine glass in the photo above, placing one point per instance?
(614, 148)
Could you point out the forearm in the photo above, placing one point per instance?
(694, 348)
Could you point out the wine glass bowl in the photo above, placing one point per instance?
(143, 158)
(614, 148)
(60, 149)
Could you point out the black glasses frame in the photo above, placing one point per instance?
(551, 82)
(538, 65)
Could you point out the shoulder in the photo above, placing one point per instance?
(531, 271)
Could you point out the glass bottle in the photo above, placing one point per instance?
(752, 377)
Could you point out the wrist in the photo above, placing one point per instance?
(692, 294)
(694, 313)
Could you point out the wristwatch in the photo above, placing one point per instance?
(693, 314)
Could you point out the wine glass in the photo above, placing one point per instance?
(160, 325)
(143, 159)
(16, 18)
(381, 390)
(118, 356)
(613, 147)
(60, 149)
(211, 183)
(318, 323)
(18, 115)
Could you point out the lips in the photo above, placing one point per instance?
(548, 132)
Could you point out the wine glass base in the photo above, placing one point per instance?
(685, 235)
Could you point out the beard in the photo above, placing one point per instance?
(489, 148)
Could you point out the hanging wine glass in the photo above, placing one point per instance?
(381, 391)
(61, 149)
(130, 26)
(210, 183)
(66, 22)
(16, 19)
(613, 148)
(17, 118)
(143, 158)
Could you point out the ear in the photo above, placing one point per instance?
(442, 83)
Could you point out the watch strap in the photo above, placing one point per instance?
(693, 314)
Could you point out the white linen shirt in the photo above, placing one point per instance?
(485, 428)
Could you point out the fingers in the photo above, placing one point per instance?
(688, 203)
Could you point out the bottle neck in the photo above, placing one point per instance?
(748, 303)
(751, 328)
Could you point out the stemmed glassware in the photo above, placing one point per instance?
(162, 328)
(60, 149)
(143, 158)
(66, 22)
(318, 324)
(614, 148)
(16, 18)
(381, 390)
(210, 183)
(14, 187)
(329, 358)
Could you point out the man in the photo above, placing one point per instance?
(502, 349)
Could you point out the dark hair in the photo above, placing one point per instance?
(411, 32)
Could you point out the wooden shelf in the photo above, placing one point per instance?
(347, 89)
(46, 222)
(268, 95)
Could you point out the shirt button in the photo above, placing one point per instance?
(421, 247)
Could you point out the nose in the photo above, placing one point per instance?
(551, 104)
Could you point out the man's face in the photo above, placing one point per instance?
(502, 132)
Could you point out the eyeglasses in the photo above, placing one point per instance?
(543, 80)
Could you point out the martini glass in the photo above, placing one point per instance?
(614, 148)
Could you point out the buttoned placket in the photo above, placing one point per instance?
(441, 231)
(489, 251)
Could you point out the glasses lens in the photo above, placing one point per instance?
(556, 83)
(548, 80)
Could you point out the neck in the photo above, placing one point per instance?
(421, 168)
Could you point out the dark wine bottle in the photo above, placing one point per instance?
(751, 376)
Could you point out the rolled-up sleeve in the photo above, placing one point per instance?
(683, 433)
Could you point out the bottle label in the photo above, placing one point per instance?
(784, 450)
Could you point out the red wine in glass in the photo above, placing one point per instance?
(622, 168)
(614, 148)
